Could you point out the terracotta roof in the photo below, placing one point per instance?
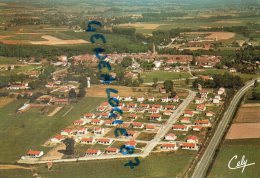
(170, 135)
(188, 144)
(168, 145)
(155, 115)
(96, 120)
(202, 122)
(179, 126)
(110, 149)
(192, 137)
(92, 151)
(89, 115)
(87, 139)
(58, 137)
(33, 152)
(104, 140)
(149, 126)
(137, 124)
(131, 143)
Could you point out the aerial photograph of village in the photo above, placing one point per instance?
(129, 89)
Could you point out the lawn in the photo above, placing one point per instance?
(161, 75)
(156, 165)
(8, 60)
(227, 151)
(31, 130)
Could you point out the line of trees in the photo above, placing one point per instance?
(226, 80)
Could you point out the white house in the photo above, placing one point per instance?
(170, 137)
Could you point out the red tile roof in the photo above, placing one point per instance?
(33, 152)
(192, 145)
(131, 143)
(168, 145)
(110, 149)
(155, 115)
(92, 151)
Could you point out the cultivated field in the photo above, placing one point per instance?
(56, 41)
(5, 101)
(213, 35)
(244, 130)
(156, 165)
(149, 26)
(248, 113)
(100, 91)
(161, 75)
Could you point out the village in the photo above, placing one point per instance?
(144, 118)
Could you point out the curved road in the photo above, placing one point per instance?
(202, 166)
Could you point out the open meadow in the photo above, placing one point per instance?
(30, 130)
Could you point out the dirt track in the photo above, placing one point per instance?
(10, 166)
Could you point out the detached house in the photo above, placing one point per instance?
(201, 107)
(170, 137)
(210, 114)
(185, 120)
(138, 125)
(192, 139)
(96, 122)
(93, 152)
(99, 130)
(180, 127)
(165, 99)
(140, 99)
(188, 114)
(154, 110)
(112, 151)
(57, 138)
(79, 122)
(197, 128)
(189, 146)
(87, 141)
(89, 116)
(204, 123)
(176, 99)
(104, 141)
(133, 116)
(155, 116)
(145, 106)
(150, 127)
(66, 132)
(34, 153)
(169, 107)
(151, 99)
(169, 146)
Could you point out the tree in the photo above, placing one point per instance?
(69, 142)
(82, 92)
(155, 80)
(72, 93)
(173, 94)
(126, 62)
(168, 85)
(256, 84)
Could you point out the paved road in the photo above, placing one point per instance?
(167, 126)
(202, 166)
(150, 144)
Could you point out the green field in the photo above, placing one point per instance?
(20, 132)
(247, 147)
(156, 165)
(161, 75)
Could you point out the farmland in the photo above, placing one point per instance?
(17, 128)
(162, 75)
(156, 165)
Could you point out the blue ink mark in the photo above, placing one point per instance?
(100, 50)
(126, 150)
(109, 90)
(97, 36)
(92, 29)
(121, 130)
(132, 164)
